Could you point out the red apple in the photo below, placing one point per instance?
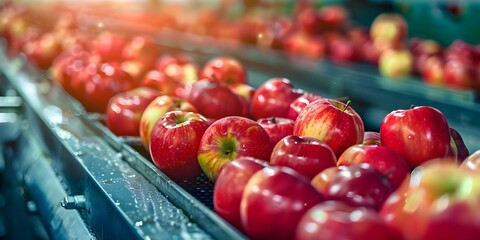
(180, 67)
(155, 110)
(341, 221)
(275, 33)
(108, 81)
(418, 134)
(333, 16)
(359, 185)
(277, 128)
(108, 46)
(229, 186)
(226, 70)
(160, 81)
(309, 21)
(342, 50)
(440, 201)
(43, 50)
(214, 99)
(273, 98)
(321, 180)
(332, 122)
(432, 71)
(300, 103)
(306, 155)
(460, 74)
(230, 138)
(273, 202)
(141, 48)
(125, 109)
(174, 144)
(371, 138)
(381, 158)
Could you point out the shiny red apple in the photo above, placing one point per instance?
(229, 186)
(332, 122)
(229, 138)
(174, 144)
(226, 70)
(273, 98)
(214, 99)
(300, 103)
(337, 220)
(359, 185)
(273, 202)
(308, 156)
(277, 128)
(125, 110)
(387, 161)
(155, 110)
(417, 134)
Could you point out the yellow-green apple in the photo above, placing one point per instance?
(155, 110)
(472, 162)
(229, 138)
(273, 202)
(359, 185)
(389, 28)
(337, 220)
(277, 128)
(180, 67)
(174, 144)
(226, 70)
(160, 81)
(439, 201)
(332, 122)
(214, 99)
(321, 180)
(396, 63)
(229, 186)
(418, 134)
(384, 159)
(125, 109)
(273, 98)
(371, 138)
(300, 103)
(306, 155)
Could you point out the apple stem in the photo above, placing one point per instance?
(274, 120)
(412, 106)
(347, 105)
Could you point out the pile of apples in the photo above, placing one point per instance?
(287, 163)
